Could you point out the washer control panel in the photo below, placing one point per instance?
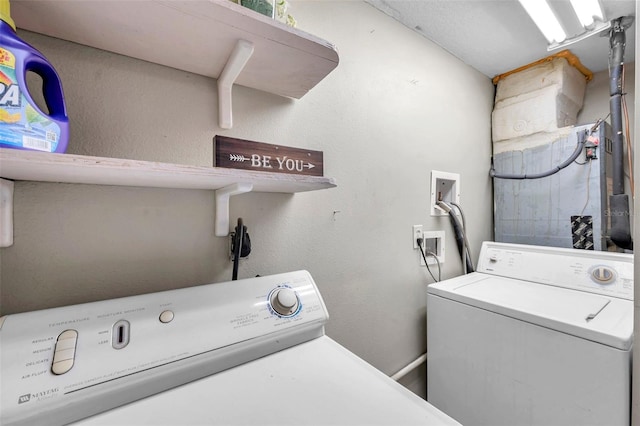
(598, 272)
(59, 365)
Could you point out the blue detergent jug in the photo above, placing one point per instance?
(23, 125)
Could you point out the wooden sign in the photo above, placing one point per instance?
(248, 155)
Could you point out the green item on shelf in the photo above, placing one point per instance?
(261, 6)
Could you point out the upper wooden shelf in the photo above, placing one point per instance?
(67, 168)
(193, 35)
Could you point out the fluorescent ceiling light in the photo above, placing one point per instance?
(598, 27)
(588, 11)
(545, 19)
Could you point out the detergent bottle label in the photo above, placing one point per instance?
(21, 125)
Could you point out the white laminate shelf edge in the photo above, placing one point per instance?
(198, 36)
(68, 168)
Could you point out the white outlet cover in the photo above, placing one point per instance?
(416, 229)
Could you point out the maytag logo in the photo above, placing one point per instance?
(40, 395)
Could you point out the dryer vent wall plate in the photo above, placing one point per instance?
(445, 186)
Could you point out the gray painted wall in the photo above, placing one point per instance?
(396, 108)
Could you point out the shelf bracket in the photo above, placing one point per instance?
(222, 205)
(6, 213)
(238, 59)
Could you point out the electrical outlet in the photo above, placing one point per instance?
(446, 187)
(417, 233)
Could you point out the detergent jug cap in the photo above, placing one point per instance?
(5, 13)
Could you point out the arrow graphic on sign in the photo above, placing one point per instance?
(238, 158)
(309, 165)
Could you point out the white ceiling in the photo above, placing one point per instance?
(496, 36)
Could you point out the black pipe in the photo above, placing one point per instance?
(617, 42)
(620, 231)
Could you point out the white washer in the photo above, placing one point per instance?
(537, 336)
(245, 352)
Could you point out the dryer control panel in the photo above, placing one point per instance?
(60, 365)
(597, 272)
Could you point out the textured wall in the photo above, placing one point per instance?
(396, 108)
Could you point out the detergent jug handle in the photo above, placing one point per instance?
(51, 86)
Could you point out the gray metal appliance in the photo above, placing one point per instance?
(568, 209)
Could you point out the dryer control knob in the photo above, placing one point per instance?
(65, 352)
(284, 301)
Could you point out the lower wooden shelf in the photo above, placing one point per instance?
(69, 168)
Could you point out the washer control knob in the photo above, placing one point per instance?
(603, 275)
(493, 258)
(284, 301)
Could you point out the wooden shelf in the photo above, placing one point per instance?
(214, 38)
(193, 35)
(67, 168)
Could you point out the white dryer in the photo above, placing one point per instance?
(248, 352)
(536, 336)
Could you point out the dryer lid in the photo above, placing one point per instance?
(602, 319)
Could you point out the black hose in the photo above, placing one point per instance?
(460, 238)
(582, 138)
(466, 247)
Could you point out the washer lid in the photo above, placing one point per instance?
(602, 319)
